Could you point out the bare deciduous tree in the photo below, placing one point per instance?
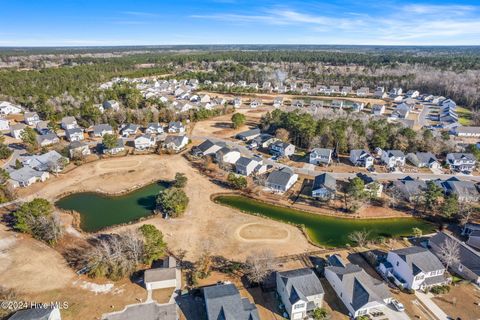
(259, 265)
(450, 252)
(359, 237)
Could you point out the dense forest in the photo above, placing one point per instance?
(452, 72)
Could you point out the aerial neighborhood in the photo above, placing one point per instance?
(202, 188)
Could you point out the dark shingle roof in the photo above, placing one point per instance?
(324, 180)
(32, 314)
(301, 283)
(281, 176)
(224, 302)
(419, 259)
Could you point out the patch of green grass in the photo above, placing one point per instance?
(464, 116)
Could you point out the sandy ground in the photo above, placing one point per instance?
(204, 221)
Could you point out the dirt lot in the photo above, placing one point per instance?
(461, 302)
(203, 222)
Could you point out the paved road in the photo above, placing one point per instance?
(391, 176)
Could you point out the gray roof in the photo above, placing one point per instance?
(281, 176)
(73, 131)
(68, 120)
(145, 311)
(47, 136)
(177, 140)
(18, 126)
(367, 179)
(422, 157)
(281, 144)
(362, 288)
(461, 156)
(244, 161)
(224, 302)
(249, 133)
(131, 127)
(395, 153)
(99, 128)
(24, 174)
(300, 284)
(159, 274)
(462, 129)
(359, 153)
(460, 188)
(410, 187)
(322, 152)
(32, 314)
(325, 180)
(207, 144)
(469, 257)
(77, 144)
(419, 259)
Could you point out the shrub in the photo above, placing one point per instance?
(172, 201)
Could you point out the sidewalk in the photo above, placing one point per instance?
(426, 300)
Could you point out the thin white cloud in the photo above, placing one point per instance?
(443, 10)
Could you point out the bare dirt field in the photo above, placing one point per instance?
(204, 221)
(254, 232)
(461, 302)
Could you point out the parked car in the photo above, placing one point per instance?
(398, 305)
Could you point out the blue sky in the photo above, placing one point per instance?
(141, 22)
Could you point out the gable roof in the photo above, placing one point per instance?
(248, 133)
(324, 180)
(419, 259)
(359, 286)
(468, 257)
(300, 284)
(32, 314)
(281, 176)
(317, 152)
(223, 302)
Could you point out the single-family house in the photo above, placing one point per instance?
(154, 128)
(359, 292)
(346, 91)
(461, 161)
(17, 129)
(237, 102)
(416, 268)
(320, 156)
(468, 264)
(42, 127)
(176, 127)
(281, 149)
(371, 185)
(357, 106)
(281, 180)
(78, 149)
(205, 98)
(119, 147)
(378, 109)
(424, 160)
(246, 166)
(393, 158)
(145, 141)
(206, 148)
(466, 191)
(74, 134)
(409, 188)
(167, 276)
(130, 129)
(412, 94)
(100, 130)
(278, 102)
(4, 124)
(298, 103)
(401, 111)
(396, 91)
(227, 155)
(27, 176)
(69, 123)
(300, 291)
(175, 143)
(264, 140)
(337, 104)
(249, 134)
(379, 91)
(9, 108)
(474, 239)
(44, 313)
(50, 161)
(255, 103)
(469, 132)
(316, 103)
(48, 139)
(363, 92)
(361, 158)
(111, 105)
(31, 118)
(324, 187)
(223, 301)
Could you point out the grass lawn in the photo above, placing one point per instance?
(464, 116)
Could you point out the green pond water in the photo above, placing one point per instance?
(99, 211)
(325, 230)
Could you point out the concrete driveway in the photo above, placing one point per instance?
(426, 300)
(393, 314)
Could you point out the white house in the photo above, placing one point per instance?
(27, 176)
(282, 149)
(320, 156)
(31, 118)
(424, 160)
(100, 130)
(154, 128)
(111, 105)
(176, 127)
(74, 134)
(362, 158)
(415, 268)
(145, 142)
(300, 291)
(47, 139)
(281, 180)
(4, 124)
(175, 143)
(255, 103)
(359, 292)
(246, 166)
(461, 161)
(378, 109)
(165, 277)
(78, 149)
(69, 123)
(9, 108)
(324, 187)
(393, 158)
(206, 148)
(469, 132)
(130, 129)
(278, 102)
(227, 155)
(17, 129)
